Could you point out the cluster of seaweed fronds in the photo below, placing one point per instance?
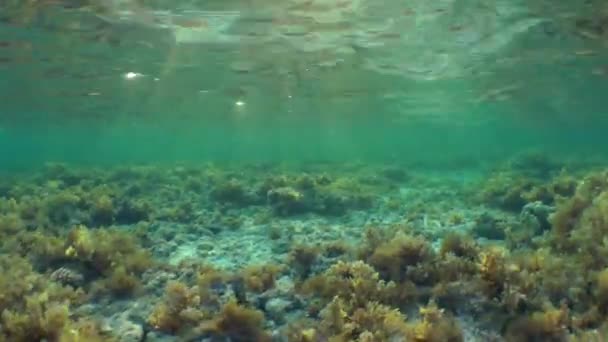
(35, 308)
(357, 305)
(63, 230)
(527, 178)
(200, 311)
(555, 290)
(511, 191)
(60, 247)
(50, 265)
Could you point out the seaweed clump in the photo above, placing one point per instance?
(548, 325)
(512, 188)
(355, 283)
(404, 257)
(231, 192)
(354, 304)
(34, 308)
(261, 278)
(434, 325)
(186, 312)
(179, 309)
(236, 323)
(359, 306)
(302, 259)
(208, 310)
(113, 255)
(373, 322)
(320, 195)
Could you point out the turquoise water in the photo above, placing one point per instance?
(303, 170)
(315, 80)
(376, 142)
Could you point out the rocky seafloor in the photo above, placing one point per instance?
(514, 251)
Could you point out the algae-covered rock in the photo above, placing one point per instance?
(232, 192)
(489, 227)
(395, 174)
(288, 201)
(333, 199)
(133, 211)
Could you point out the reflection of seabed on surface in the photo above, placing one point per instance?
(189, 26)
(318, 53)
(204, 27)
(442, 116)
(331, 28)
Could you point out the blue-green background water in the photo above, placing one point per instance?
(456, 84)
(438, 145)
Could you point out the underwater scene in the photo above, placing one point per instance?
(303, 171)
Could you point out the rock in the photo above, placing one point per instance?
(214, 228)
(395, 174)
(537, 212)
(130, 332)
(123, 327)
(276, 308)
(154, 336)
(287, 201)
(67, 276)
(489, 228)
(285, 285)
